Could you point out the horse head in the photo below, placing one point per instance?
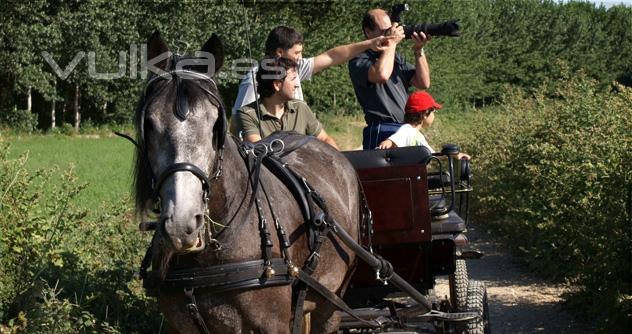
(181, 127)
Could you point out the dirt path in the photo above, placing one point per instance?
(518, 301)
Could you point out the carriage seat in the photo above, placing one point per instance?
(401, 156)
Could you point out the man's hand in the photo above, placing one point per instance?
(463, 156)
(253, 138)
(420, 39)
(324, 137)
(397, 31)
(421, 79)
(381, 43)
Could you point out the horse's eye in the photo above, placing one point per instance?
(148, 125)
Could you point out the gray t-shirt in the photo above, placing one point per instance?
(246, 93)
(381, 103)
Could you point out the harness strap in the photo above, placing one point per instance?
(184, 167)
(298, 301)
(281, 234)
(254, 161)
(276, 166)
(331, 297)
(300, 288)
(220, 278)
(144, 266)
(194, 312)
(380, 265)
(264, 234)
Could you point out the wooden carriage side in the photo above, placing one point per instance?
(395, 183)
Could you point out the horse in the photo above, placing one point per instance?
(193, 175)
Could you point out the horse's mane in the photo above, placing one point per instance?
(143, 192)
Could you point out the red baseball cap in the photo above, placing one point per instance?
(419, 102)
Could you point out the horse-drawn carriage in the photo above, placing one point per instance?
(253, 237)
(419, 205)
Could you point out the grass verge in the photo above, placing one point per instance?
(103, 163)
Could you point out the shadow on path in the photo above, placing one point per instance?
(519, 301)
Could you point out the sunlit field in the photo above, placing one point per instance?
(104, 164)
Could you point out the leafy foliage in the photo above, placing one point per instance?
(21, 121)
(521, 43)
(553, 176)
(62, 273)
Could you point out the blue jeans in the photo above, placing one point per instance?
(374, 133)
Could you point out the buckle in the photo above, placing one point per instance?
(277, 146)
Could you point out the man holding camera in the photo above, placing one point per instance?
(381, 78)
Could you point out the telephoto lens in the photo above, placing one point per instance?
(447, 28)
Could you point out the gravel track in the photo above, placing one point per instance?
(519, 301)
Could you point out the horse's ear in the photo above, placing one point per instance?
(214, 46)
(156, 47)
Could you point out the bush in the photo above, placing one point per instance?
(19, 120)
(51, 313)
(552, 174)
(61, 272)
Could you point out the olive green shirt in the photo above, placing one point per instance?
(297, 117)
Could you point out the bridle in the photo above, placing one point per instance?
(182, 111)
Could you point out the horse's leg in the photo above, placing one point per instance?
(266, 310)
(325, 319)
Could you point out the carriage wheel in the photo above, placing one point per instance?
(477, 302)
(458, 286)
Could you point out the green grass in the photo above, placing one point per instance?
(345, 129)
(103, 163)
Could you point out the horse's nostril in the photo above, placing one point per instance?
(199, 219)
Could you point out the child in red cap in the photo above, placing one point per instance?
(420, 109)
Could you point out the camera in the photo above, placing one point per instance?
(447, 28)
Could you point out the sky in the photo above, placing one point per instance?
(609, 3)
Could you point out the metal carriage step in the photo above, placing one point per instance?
(409, 315)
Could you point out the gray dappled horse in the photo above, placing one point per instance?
(180, 168)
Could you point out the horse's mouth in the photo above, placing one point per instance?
(200, 244)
